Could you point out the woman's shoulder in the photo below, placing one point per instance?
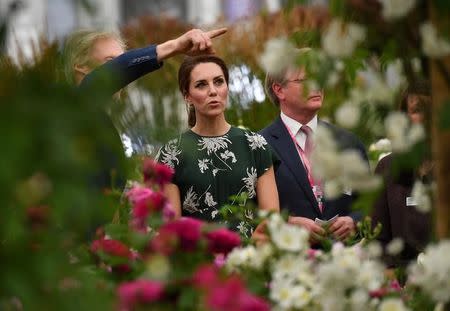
(253, 139)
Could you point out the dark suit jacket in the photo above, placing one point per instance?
(398, 219)
(294, 190)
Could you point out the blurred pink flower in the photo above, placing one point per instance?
(168, 212)
(219, 260)
(139, 292)
(222, 241)
(187, 230)
(156, 172)
(144, 200)
(111, 247)
(232, 295)
(164, 243)
(206, 276)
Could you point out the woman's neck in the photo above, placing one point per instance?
(211, 127)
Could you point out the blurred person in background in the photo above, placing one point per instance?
(396, 209)
(96, 61)
(92, 55)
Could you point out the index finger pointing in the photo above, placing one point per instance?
(216, 32)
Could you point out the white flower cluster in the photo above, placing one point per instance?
(378, 88)
(305, 279)
(346, 279)
(382, 145)
(401, 133)
(342, 170)
(392, 304)
(432, 273)
(340, 39)
(395, 9)
(348, 115)
(279, 54)
(373, 88)
(421, 195)
(432, 44)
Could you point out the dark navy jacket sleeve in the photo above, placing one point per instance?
(124, 69)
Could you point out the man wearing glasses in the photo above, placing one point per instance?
(290, 137)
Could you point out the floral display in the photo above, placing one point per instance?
(74, 234)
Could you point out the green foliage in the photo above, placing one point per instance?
(58, 152)
(366, 231)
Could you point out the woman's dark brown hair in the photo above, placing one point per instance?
(421, 89)
(184, 77)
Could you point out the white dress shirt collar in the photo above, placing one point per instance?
(294, 126)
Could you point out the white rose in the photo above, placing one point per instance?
(433, 45)
(394, 9)
(279, 54)
(340, 40)
(348, 115)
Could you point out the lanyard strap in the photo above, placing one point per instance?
(303, 157)
(317, 189)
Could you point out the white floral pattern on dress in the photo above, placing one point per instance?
(190, 202)
(214, 213)
(256, 140)
(209, 200)
(250, 182)
(169, 153)
(211, 159)
(243, 228)
(203, 164)
(212, 144)
(228, 154)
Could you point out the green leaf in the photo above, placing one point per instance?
(117, 231)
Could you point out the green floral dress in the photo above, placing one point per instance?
(209, 170)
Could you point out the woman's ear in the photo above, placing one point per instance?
(81, 69)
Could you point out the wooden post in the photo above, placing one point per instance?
(440, 89)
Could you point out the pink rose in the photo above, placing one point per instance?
(232, 295)
(219, 260)
(164, 242)
(168, 212)
(146, 197)
(222, 241)
(187, 230)
(144, 201)
(139, 292)
(111, 247)
(225, 296)
(156, 172)
(249, 302)
(206, 276)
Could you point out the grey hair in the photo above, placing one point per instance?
(279, 78)
(78, 47)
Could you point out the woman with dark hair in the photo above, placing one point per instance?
(396, 209)
(215, 162)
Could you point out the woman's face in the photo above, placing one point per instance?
(208, 90)
(414, 111)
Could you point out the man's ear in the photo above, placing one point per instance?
(277, 89)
